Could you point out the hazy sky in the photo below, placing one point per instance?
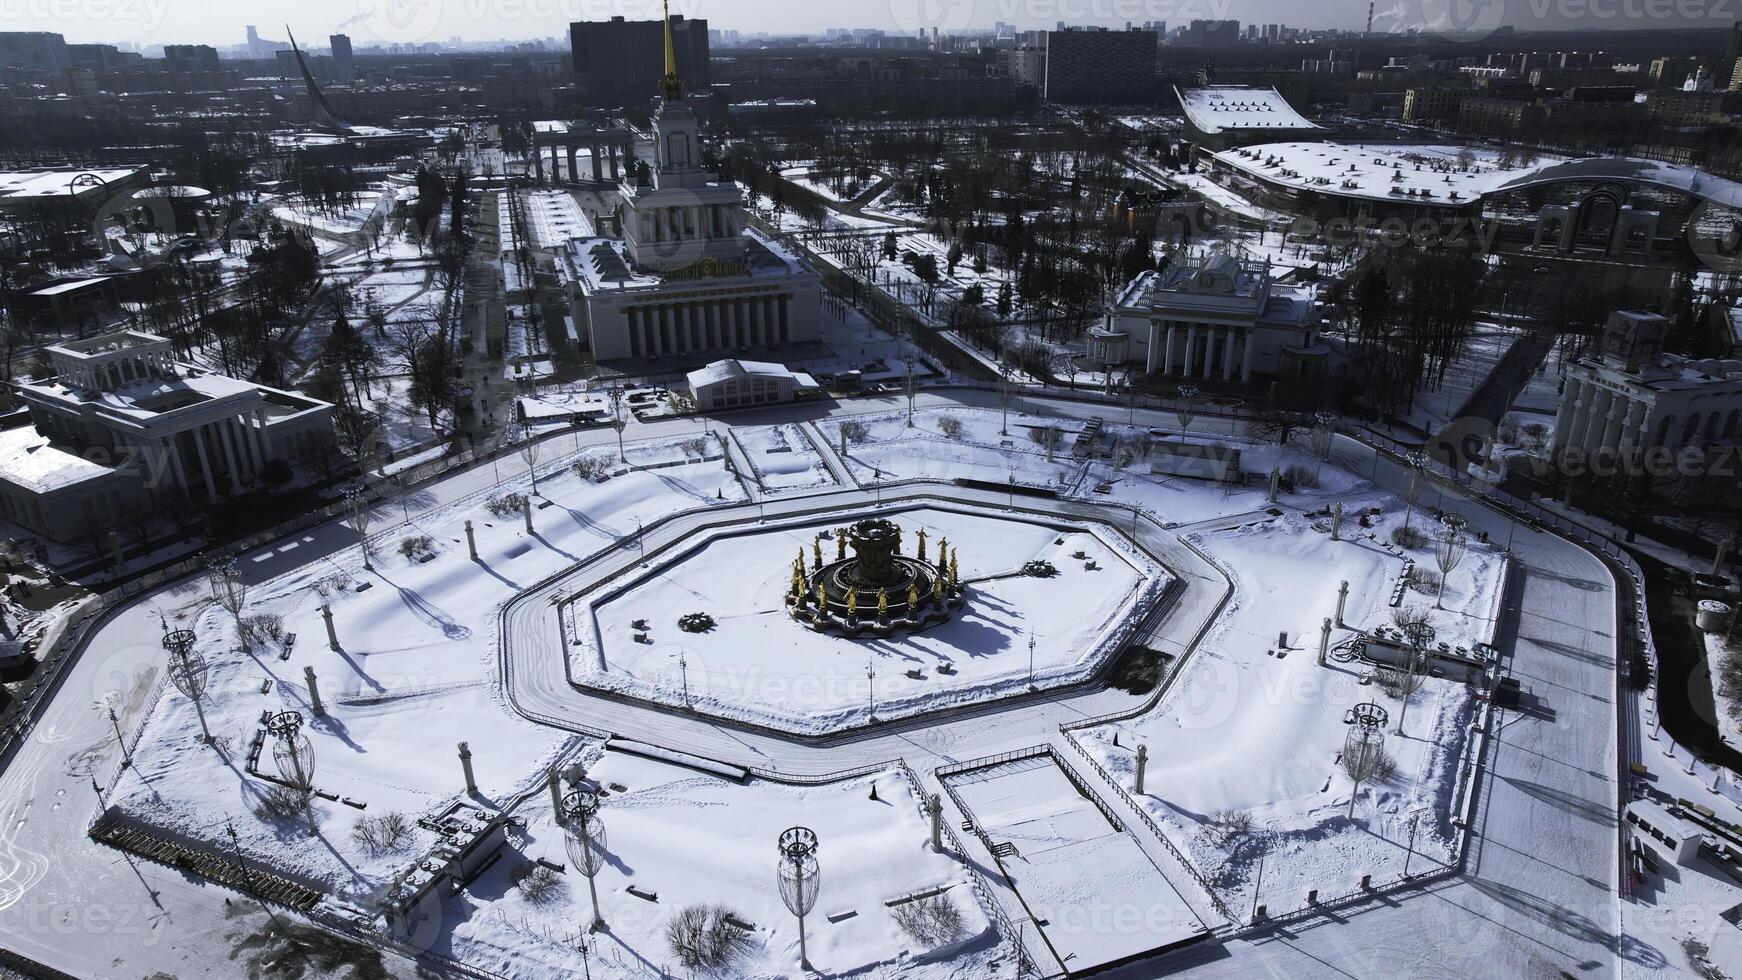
(371, 21)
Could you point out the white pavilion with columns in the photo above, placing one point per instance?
(1215, 318)
(153, 428)
(1632, 397)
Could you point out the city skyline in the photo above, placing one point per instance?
(156, 22)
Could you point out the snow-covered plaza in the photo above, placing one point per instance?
(757, 662)
(506, 647)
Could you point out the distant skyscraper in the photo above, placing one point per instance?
(618, 62)
(190, 57)
(342, 59)
(1733, 53)
(1100, 67)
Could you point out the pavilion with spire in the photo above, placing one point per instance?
(690, 280)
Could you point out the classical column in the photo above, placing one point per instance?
(1167, 352)
(260, 435)
(785, 310)
(537, 161)
(1564, 417)
(713, 309)
(172, 449)
(1619, 407)
(1581, 415)
(249, 440)
(230, 455)
(698, 327)
(1191, 345)
(1246, 355)
(1596, 419)
(1210, 352)
(1228, 354)
(1632, 429)
(598, 175)
(574, 171)
(205, 464)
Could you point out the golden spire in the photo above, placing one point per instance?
(670, 86)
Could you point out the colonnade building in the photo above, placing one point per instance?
(688, 280)
(1632, 397)
(121, 424)
(1215, 318)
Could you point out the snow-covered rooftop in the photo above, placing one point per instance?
(726, 370)
(1218, 108)
(52, 183)
(1382, 172)
(604, 263)
(1450, 174)
(28, 460)
(553, 217)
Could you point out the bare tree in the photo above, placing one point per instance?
(705, 936)
(1365, 760)
(933, 920)
(528, 447)
(1453, 545)
(1412, 491)
(230, 592)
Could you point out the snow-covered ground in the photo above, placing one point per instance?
(681, 838)
(781, 457)
(1257, 729)
(759, 664)
(1096, 895)
(415, 657)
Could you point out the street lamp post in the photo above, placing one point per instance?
(126, 756)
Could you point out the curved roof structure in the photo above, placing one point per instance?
(1442, 174)
(1625, 170)
(1221, 108)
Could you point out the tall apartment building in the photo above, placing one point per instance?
(1432, 104)
(1028, 66)
(1211, 33)
(344, 62)
(190, 57)
(34, 51)
(1086, 66)
(618, 62)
